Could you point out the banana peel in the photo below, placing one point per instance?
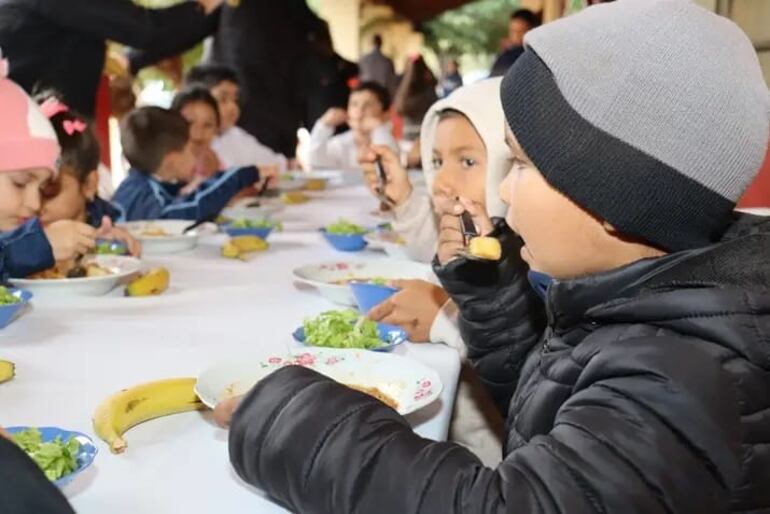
(152, 283)
(7, 371)
(294, 197)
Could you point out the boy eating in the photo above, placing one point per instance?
(648, 391)
(367, 117)
(156, 145)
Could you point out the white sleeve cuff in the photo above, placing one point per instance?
(445, 329)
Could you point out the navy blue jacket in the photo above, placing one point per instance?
(24, 251)
(98, 208)
(143, 197)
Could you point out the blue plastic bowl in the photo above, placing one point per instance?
(261, 233)
(370, 295)
(85, 456)
(388, 335)
(351, 243)
(8, 313)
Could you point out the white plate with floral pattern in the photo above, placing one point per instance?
(406, 383)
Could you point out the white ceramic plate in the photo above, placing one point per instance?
(242, 209)
(123, 267)
(411, 384)
(388, 242)
(170, 238)
(331, 278)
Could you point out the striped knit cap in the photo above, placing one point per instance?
(652, 114)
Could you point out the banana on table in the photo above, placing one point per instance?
(7, 371)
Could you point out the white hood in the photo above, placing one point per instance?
(480, 103)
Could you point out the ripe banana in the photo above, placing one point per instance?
(241, 246)
(154, 282)
(7, 371)
(126, 409)
(294, 197)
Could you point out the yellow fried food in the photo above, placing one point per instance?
(487, 248)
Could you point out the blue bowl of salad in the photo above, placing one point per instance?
(12, 302)
(246, 227)
(349, 330)
(61, 454)
(370, 294)
(345, 236)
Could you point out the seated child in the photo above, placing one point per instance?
(72, 195)
(463, 155)
(29, 153)
(367, 116)
(198, 107)
(156, 143)
(647, 391)
(233, 145)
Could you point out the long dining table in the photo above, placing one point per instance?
(72, 354)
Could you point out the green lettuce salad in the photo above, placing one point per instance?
(246, 223)
(342, 329)
(6, 298)
(56, 458)
(345, 228)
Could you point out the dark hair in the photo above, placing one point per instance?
(195, 94)
(377, 41)
(416, 93)
(525, 15)
(378, 90)
(79, 147)
(149, 134)
(449, 113)
(210, 75)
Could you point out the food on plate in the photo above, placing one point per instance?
(6, 298)
(56, 458)
(154, 231)
(241, 247)
(391, 237)
(126, 409)
(487, 248)
(375, 392)
(264, 223)
(71, 269)
(7, 371)
(342, 329)
(345, 228)
(315, 184)
(378, 281)
(294, 197)
(152, 283)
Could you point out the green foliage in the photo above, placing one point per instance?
(473, 29)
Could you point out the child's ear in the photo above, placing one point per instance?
(90, 186)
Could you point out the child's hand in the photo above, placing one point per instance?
(398, 187)
(223, 413)
(450, 236)
(5, 434)
(110, 231)
(334, 117)
(413, 308)
(268, 172)
(70, 239)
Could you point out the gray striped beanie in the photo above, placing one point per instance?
(652, 114)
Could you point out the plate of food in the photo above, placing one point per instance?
(261, 228)
(332, 278)
(163, 236)
(94, 275)
(402, 383)
(389, 242)
(253, 209)
(345, 236)
(349, 330)
(61, 454)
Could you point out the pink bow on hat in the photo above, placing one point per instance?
(52, 107)
(72, 126)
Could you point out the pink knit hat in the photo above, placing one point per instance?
(27, 139)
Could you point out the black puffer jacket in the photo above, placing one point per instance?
(649, 393)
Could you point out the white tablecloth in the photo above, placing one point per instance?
(70, 356)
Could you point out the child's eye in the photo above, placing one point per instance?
(468, 163)
(436, 163)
